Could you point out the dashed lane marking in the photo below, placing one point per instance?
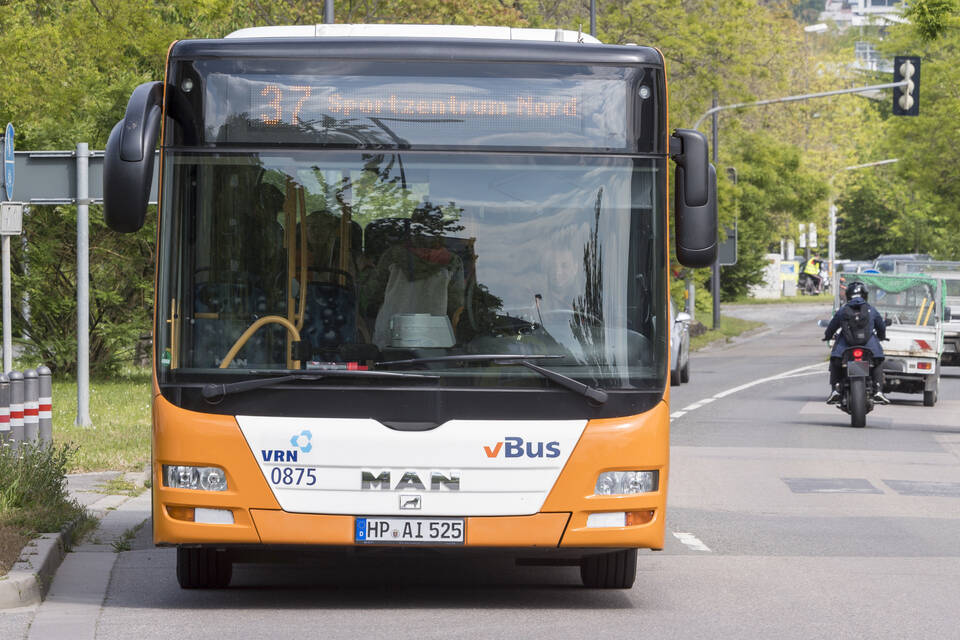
(808, 370)
(691, 541)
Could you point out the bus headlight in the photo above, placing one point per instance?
(178, 476)
(612, 483)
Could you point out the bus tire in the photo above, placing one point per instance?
(203, 568)
(616, 570)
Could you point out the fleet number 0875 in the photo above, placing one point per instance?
(293, 476)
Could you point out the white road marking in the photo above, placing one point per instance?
(691, 541)
(808, 370)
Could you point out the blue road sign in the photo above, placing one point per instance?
(8, 161)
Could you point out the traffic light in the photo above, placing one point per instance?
(906, 99)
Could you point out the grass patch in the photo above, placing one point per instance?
(123, 542)
(33, 496)
(120, 486)
(821, 297)
(119, 439)
(730, 327)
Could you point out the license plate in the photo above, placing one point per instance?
(372, 530)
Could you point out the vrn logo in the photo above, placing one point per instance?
(514, 447)
(279, 455)
(299, 440)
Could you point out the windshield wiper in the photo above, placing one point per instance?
(505, 358)
(591, 393)
(213, 390)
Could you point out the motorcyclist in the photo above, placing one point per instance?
(811, 271)
(856, 297)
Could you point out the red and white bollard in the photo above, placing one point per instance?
(45, 404)
(31, 412)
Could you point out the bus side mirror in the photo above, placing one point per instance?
(695, 193)
(128, 159)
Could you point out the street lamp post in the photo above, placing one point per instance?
(832, 242)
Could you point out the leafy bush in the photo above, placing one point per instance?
(33, 488)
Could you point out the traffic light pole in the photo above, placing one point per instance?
(715, 268)
(798, 98)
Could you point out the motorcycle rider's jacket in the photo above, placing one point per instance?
(876, 327)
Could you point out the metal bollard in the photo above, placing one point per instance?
(4, 408)
(16, 406)
(45, 405)
(31, 393)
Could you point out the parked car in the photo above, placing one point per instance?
(887, 262)
(679, 346)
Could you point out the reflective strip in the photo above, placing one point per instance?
(16, 415)
(45, 404)
(46, 415)
(30, 412)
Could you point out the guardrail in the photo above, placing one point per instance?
(26, 407)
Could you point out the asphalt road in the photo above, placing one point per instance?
(783, 521)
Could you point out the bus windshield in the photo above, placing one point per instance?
(414, 255)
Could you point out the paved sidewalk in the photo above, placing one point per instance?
(72, 606)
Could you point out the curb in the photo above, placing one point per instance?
(30, 577)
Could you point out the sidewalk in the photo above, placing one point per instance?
(72, 604)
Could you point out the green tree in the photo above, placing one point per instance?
(773, 190)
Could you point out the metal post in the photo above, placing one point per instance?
(83, 287)
(328, 12)
(832, 241)
(4, 409)
(16, 406)
(7, 322)
(593, 18)
(45, 404)
(715, 269)
(31, 419)
(25, 294)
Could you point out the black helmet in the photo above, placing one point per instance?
(855, 289)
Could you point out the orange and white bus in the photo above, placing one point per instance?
(411, 289)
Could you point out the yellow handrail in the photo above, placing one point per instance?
(927, 317)
(242, 340)
(923, 305)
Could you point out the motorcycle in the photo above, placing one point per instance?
(856, 384)
(813, 286)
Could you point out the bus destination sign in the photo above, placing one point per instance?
(581, 112)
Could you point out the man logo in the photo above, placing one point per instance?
(409, 502)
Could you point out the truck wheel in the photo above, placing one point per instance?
(203, 568)
(685, 372)
(930, 398)
(616, 570)
(858, 403)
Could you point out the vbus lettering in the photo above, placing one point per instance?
(516, 447)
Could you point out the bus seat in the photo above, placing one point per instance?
(323, 245)
(330, 311)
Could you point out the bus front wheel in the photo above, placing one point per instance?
(615, 570)
(203, 568)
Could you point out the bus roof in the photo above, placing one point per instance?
(415, 31)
